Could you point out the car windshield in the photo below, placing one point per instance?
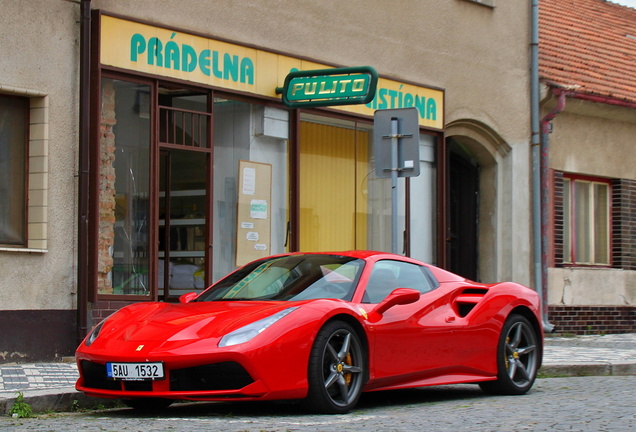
(293, 277)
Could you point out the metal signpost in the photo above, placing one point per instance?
(396, 141)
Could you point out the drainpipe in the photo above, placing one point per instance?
(539, 210)
(83, 174)
(545, 208)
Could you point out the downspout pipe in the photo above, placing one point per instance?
(545, 199)
(539, 214)
(83, 171)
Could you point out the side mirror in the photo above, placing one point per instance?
(188, 297)
(399, 296)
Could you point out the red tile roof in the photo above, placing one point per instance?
(589, 45)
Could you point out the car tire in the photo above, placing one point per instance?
(148, 404)
(518, 358)
(337, 369)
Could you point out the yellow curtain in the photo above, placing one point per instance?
(333, 168)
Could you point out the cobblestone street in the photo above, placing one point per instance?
(573, 404)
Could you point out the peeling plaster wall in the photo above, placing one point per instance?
(577, 286)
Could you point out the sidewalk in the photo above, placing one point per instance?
(50, 386)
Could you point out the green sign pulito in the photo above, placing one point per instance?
(183, 57)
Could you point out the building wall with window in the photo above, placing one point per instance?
(592, 275)
(589, 93)
(38, 149)
(190, 178)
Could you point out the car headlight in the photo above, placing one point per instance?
(252, 330)
(95, 332)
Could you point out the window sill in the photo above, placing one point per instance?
(487, 3)
(23, 250)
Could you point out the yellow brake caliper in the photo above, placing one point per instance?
(347, 375)
(506, 356)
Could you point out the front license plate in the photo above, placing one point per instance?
(135, 371)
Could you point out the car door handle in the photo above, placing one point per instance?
(450, 319)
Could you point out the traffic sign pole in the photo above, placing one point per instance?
(396, 141)
(394, 183)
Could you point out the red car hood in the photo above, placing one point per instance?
(165, 322)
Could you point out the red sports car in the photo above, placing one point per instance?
(320, 327)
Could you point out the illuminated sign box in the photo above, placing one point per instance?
(329, 87)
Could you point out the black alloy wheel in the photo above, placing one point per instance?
(336, 372)
(518, 358)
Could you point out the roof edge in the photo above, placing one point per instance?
(572, 92)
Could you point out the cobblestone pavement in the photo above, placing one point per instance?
(37, 376)
(574, 404)
(611, 348)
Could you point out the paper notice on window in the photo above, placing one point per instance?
(249, 181)
(258, 209)
(253, 218)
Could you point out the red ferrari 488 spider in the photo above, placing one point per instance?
(320, 327)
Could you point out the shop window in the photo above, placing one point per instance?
(344, 205)
(23, 172)
(251, 186)
(586, 220)
(124, 194)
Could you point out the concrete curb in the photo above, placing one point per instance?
(65, 399)
(587, 369)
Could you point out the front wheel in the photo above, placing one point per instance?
(518, 359)
(336, 369)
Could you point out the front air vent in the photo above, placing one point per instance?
(94, 375)
(217, 376)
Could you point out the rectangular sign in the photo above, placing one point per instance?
(135, 371)
(329, 87)
(407, 139)
(162, 52)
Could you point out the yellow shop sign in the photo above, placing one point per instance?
(163, 52)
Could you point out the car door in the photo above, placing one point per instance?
(416, 340)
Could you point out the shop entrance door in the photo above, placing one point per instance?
(183, 223)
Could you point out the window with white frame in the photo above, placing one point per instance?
(586, 220)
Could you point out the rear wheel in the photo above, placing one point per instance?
(148, 404)
(518, 359)
(336, 369)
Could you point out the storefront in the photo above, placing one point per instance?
(197, 166)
